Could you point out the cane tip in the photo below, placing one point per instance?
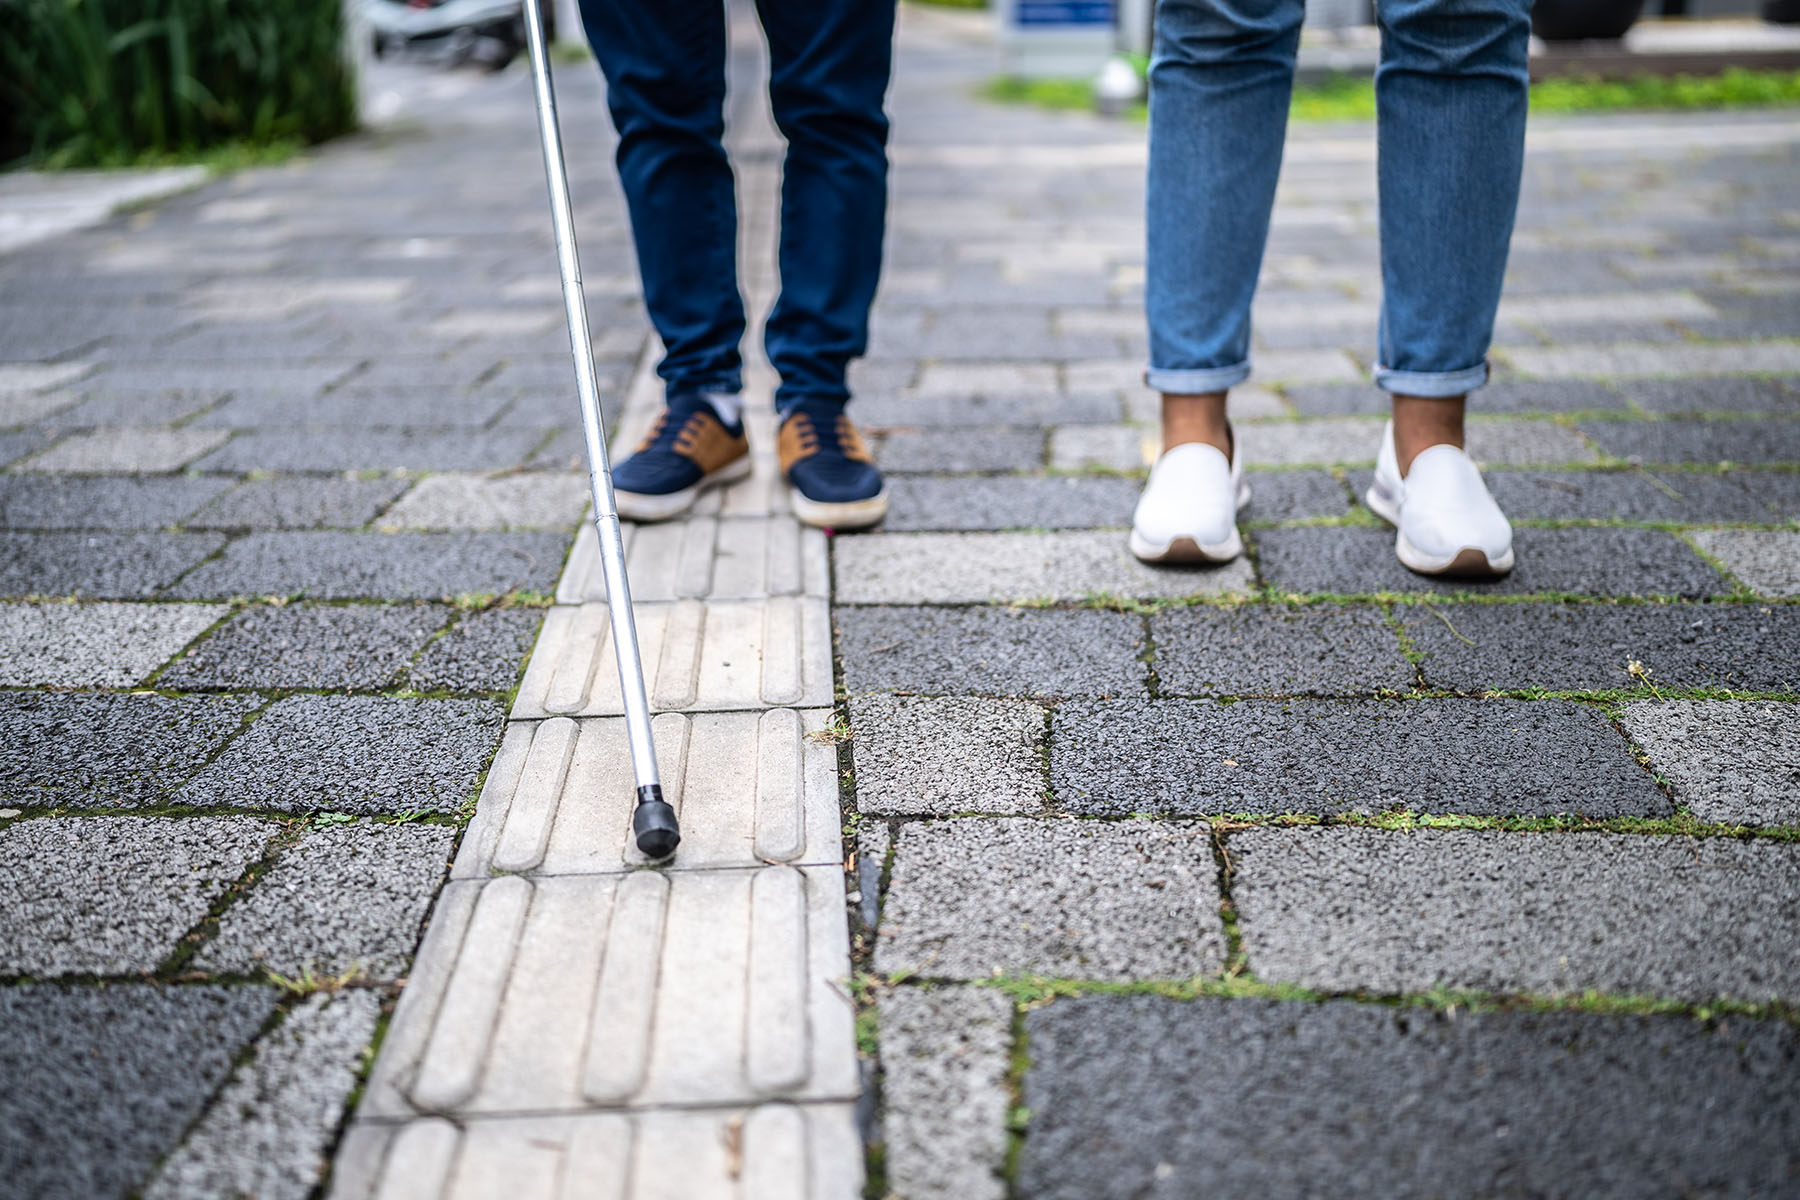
(656, 830)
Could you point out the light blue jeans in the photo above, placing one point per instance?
(1451, 93)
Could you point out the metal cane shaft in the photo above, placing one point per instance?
(606, 516)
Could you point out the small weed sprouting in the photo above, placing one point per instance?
(835, 733)
(470, 601)
(527, 598)
(868, 1031)
(309, 982)
(1641, 673)
(327, 820)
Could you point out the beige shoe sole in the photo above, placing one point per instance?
(850, 514)
(640, 506)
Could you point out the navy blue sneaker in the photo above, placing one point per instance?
(689, 450)
(835, 482)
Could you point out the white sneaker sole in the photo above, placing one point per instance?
(1185, 551)
(642, 506)
(1469, 561)
(846, 514)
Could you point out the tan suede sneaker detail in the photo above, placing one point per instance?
(706, 441)
(798, 439)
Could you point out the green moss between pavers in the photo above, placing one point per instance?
(1223, 824)
(1035, 991)
(1018, 1116)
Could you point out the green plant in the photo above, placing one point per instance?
(110, 82)
(1342, 98)
(1352, 98)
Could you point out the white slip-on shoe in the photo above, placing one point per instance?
(1188, 512)
(1447, 522)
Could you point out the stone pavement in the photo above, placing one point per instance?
(289, 484)
(1305, 876)
(1300, 874)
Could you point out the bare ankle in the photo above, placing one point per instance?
(1188, 419)
(1421, 422)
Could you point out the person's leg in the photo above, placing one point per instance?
(1452, 91)
(829, 62)
(828, 74)
(1221, 79)
(1451, 94)
(664, 62)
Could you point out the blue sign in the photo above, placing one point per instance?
(1063, 12)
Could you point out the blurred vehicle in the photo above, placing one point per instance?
(453, 32)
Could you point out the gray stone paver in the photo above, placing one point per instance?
(482, 652)
(331, 565)
(299, 502)
(1766, 561)
(1682, 440)
(1254, 650)
(355, 406)
(105, 409)
(101, 1081)
(1585, 647)
(920, 568)
(69, 749)
(937, 756)
(1520, 396)
(95, 645)
(906, 451)
(944, 1056)
(1102, 447)
(1597, 561)
(1628, 360)
(534, 500)
(1733, 394)
(1687, 497)
(1734, 762)
(1105, 900)
(126, 450)
(971, 502)
(1345, 909)
(358, 754)
(992, 651)
(246, 1145)
(113, 895)
(1294, 495)
(1134, 1094)
(363, 449)
(152, 502)
(346, 898)
(364, 647)
(24, 408)
(99, 566)
(1192, 757)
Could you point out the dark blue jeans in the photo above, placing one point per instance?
(664, 62)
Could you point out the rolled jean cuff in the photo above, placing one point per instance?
(1442, 384)
(1196, 381)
